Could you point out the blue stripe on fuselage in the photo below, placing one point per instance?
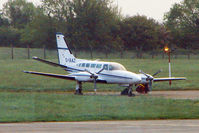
(73, 69)
(115, 76)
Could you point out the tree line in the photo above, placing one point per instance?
(97, 24)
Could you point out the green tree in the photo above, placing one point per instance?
(9, 36)
(3, 21)
(183, 22)
(19, 12)
(140, 33)
(40, 32)
(89, 24)
(95, 22)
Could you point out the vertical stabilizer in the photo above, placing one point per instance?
(65, 55)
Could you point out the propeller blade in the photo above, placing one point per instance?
(88, 71)
(101, 70)
(95, 85)
(157, 72)
(150, 86)
(94, 76)
(143, 73)
(149, 77)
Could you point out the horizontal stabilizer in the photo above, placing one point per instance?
(51, 75)
(49, 63)
(168, 79)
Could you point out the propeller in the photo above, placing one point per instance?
(157, 72)
(101, 70)
(150, 78)
(94, 76)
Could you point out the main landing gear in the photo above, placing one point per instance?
(78, 90)
(128, 91)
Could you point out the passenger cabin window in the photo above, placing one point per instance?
(99, 66)
(83, 64)
(93, 65)
(87, 65)
(105, 66)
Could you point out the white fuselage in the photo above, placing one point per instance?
(113, 73)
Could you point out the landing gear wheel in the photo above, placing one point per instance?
(130, 94)
(125, 92)
(78, 92)
(78, 88)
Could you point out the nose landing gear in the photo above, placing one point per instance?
(128, 91)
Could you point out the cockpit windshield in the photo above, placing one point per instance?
(116, 66)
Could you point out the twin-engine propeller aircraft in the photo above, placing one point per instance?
(98, 72)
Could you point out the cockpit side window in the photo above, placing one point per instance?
(111, 67)
(115, 66)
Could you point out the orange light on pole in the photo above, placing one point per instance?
(167, 50)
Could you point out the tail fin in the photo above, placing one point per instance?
(65, 55)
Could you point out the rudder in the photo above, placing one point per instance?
(64, 54)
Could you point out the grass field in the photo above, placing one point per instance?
(26, 107)
(12, 77)
(21, 101)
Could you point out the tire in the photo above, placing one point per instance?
(125, 92)
(130, 94)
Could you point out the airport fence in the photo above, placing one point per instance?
(28, 53)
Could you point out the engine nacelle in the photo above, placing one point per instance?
(143, 88)
(83, 78)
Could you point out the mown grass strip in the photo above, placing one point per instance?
(28, 107)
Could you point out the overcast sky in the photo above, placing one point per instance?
(151, 8)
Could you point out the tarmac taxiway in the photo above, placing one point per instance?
(147, 126)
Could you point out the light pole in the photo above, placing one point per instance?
(168, 51)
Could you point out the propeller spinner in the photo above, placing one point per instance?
(150, 77)
(94, 76)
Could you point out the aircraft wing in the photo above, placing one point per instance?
(168, 79)
(49, 63)
(67, 77)
(51, 75)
